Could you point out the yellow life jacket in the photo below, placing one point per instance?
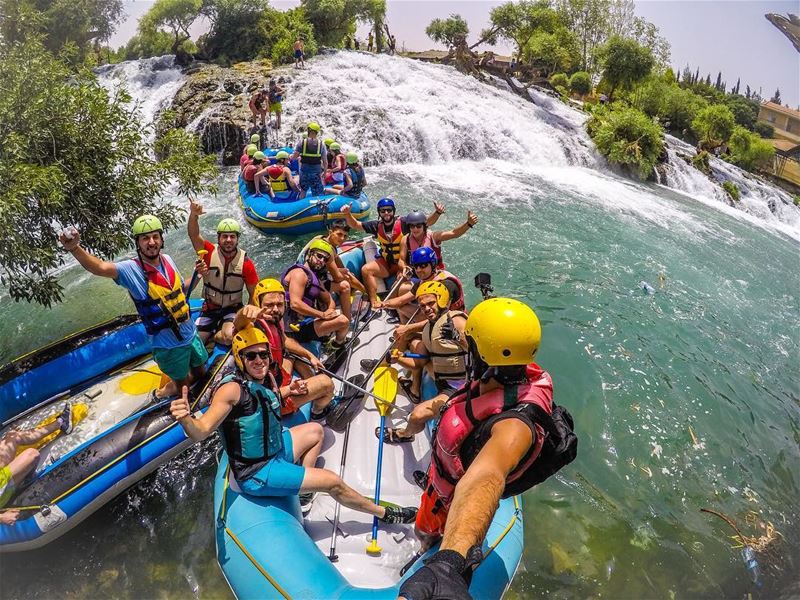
(222, 286)
(390, 240)
(166, 306)
(446, 355)
(278, 183)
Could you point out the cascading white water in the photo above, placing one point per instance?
(394, 111)
(151, 82)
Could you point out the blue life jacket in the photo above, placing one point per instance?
(357, 175)
(251, 433)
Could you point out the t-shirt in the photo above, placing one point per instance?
(249, 172)
(131, 276)
(244, 161)
(249, 273)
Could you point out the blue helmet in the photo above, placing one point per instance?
(424, 256)
(386, 203)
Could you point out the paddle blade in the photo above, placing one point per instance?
(385, 388)
(347, 406)
(373, 547)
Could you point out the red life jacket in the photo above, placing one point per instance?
(390, 242)
(275, 337)
(461, 418)
(412, 244)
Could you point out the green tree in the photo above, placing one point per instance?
(87, 163)
(333, 20)
(236, 30)
(519, 21)
(174, 15)
(765, 130)
(580, 83)
(628, 138)
(280, 29)
(669, 102)
(450, 31)
(745, 112)
(625, 63)
(749, 151)
(149, 42)
(559, 80)
(713, 125)
(554, 51)
(588, 20)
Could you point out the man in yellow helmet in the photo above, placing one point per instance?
(157, 289)
(443, 345)
(490, 444)
(265, 311)
(313, 161)
(266, 459)
(227, 271)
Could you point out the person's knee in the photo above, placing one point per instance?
(344, 288)
(342, 322)
(314, 433)
(326, 385)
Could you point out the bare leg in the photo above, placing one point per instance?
(320, 392)
(339, 326)
(370, 272)
(322, 480)
(343, 289)
(307, 443)
(422, 413)
(225, 335)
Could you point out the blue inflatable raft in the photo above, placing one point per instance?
(266, 549)
(289, 216)
(124, 436)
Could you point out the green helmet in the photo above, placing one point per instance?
(259, 155)
(229, 226)
(352, 158)
(328, 141)
(255, 138)
(336, 146)
(251, 149)
(314, 126)
(322, 246)
(281, 155)
(146, 224)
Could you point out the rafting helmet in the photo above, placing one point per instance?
(416, 217)
(314, 126)
(504, 332)
(438, 289)
(259, 156)
(146, 224)
(386, 203)
(255, 138)
(251, 149)
(249, 336)
(322, 246)
(229, 226)
(281, 154)
(266, 286)
(327, 141)
(352, 158)
(424, 256)
(336, 146)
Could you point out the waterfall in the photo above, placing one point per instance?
(151, 82)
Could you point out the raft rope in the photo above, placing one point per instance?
(223, 510)
(100, 471)
(514, 517)
(284, 219)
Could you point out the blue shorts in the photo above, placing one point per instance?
(279, 477)
(298, 54)
(310, 179)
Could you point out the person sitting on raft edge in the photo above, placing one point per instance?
(353, 179)
(388, 229)
(281, 178)
(488, 445)
(158, 292)
(266, 459)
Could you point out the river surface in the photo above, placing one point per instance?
(685, 398)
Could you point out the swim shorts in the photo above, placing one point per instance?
(279, 477)
(176, 363)
(211, 320)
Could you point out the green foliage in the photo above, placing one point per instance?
(72, 155)
(174, 15)
(520, 21)
(554, 51)
(745, 112)
(765, 130)
(449, 31)
(749, 151)
(333, 20)
(280, 29)
(713, 125)
(732, 189)
(700, 161)
(627, 137)
(559, 80)
(580, 83)
(625, 63)
(152, 42)
(796, 200)
(669, 102)
(81, 23)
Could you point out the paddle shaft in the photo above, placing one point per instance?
(394, 288)
(353, 326)
(378, 478)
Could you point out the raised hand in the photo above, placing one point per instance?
(70, 238)
(298, 387)
(195, 208)
(472, 218)
(439, 207)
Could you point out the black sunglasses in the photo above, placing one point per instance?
(251, 356)
(386, 210)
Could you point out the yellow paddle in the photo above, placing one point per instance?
(142, 381)
(386, 389)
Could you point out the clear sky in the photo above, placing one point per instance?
(731, 36)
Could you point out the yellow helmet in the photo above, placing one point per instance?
(322, 246)
(265, 286)
(438, 289)
(506, 332)
(249, 336)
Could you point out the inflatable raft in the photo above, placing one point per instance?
(266, 549)
(288, 216)
(108, 375)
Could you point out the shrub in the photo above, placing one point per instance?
(700, 162)
(765, 130)
(559, 80)
(749, 151)
(627, 137)
(714, 125)
(580, 83)
(732, 189)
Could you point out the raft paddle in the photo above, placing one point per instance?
(385, 388)
(195, 275)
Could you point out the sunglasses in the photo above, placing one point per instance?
(318, 255)
(422, 266)
(385, 210)
(416, 226)
(251, 356)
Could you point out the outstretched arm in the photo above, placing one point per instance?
(478, 492)
(90, 262)
(438, 211)
(193, 224)
(221, 404)
(443, 236)
(351, 220)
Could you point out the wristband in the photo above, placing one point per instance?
(470, 225)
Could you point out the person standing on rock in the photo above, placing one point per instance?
(370, 42)
(313, 161)
(299, 54)
(259, 106)
(275, 99)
